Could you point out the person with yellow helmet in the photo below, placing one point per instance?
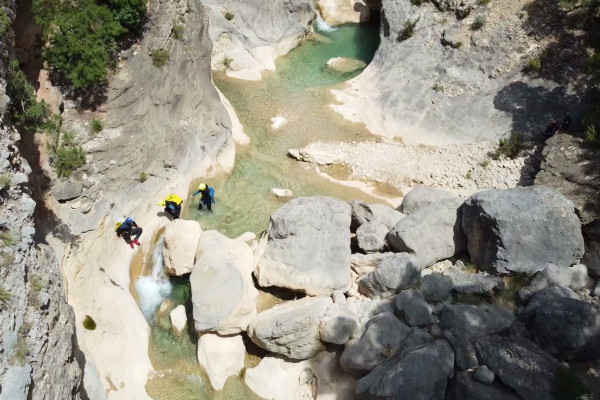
(172, 205)
(207, 198)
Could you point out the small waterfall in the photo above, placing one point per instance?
(323, 26)
(153, 289)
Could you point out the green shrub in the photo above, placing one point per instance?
(534, 65)
(591, 121)
(82, 35)
(438, 87)
(21, 351)
(226, 61)
(417, 2)
(479, 22)
(36, 283)
(5, 181)
(160, 57)
(4, 22)
(97, 125)
(7, 238)
(484, 163)
(409, 30)
(69, 157)
(143, 177)
(510, 147)
(483, 2)
(229, 15)
(24, 108)
(469, 175)
(8, 259)
(462, 14)
(178, 31)
(5, 295)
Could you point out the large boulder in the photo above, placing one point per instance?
(591, 258)
(65, 191)
(464, 387)
(567, 329)
(371, 236)
(381, 339)
(571, 167)
(421, 196)
(436, 287)
(308, 247)
(414, 308)
(338, 329)
(320, 377)
(181, 243)
(292, 328)
(420, 373)
(392, 275)
(521, 230)
(363, 264)
(520, 364)
(465, 356)
(223, 294)
(575, 277)
(432, 233)
(221, 357)
(476, 320)
(344, 65)
(363, 212)
(478, 284)
(542, 297)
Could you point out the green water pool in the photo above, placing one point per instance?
(299, 92)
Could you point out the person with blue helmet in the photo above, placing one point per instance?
(128, 228)
(207, 198)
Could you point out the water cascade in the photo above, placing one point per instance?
(154, 288)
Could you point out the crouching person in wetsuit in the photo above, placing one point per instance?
(208, 196)
(172, 205)
(127, 229)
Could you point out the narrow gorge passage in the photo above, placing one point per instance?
(298, 92)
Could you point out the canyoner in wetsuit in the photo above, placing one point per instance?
(126, 229)
(172, 205)
(208, 196)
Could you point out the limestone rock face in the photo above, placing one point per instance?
(381, 339)
(432, 233)
(392, 275)
(223, 294)
(520, 364)
(292, 328)
(221, 357)
(573, 169)
(420, 373)
(344, 65)
(254, 34)
(337, 12)
(308, 247)
(178, 319)
(421, 196)
(181, 243)
(521, 230)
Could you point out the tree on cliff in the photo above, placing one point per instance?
(82, 36)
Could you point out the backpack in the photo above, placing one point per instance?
(118, 225)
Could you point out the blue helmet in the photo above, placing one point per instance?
(129, 220)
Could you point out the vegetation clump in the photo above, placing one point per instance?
(535, 65)
(4, 22)
(5, 181)
(5, 295)
(97, 125)
(69, 156)
(227, 61)
(83, 36)
(510, 147)
(229, 15)
(479, 22)
(24, 109)
(178, 31)
(160, 57)
(143, 177)
(591, 122)
(7, 238)
(409, 30)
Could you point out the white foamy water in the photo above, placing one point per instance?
(323, 26)
(153, 289)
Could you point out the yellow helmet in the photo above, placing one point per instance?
(162, 203)
(202, 186)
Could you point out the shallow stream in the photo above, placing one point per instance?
(299, 92)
